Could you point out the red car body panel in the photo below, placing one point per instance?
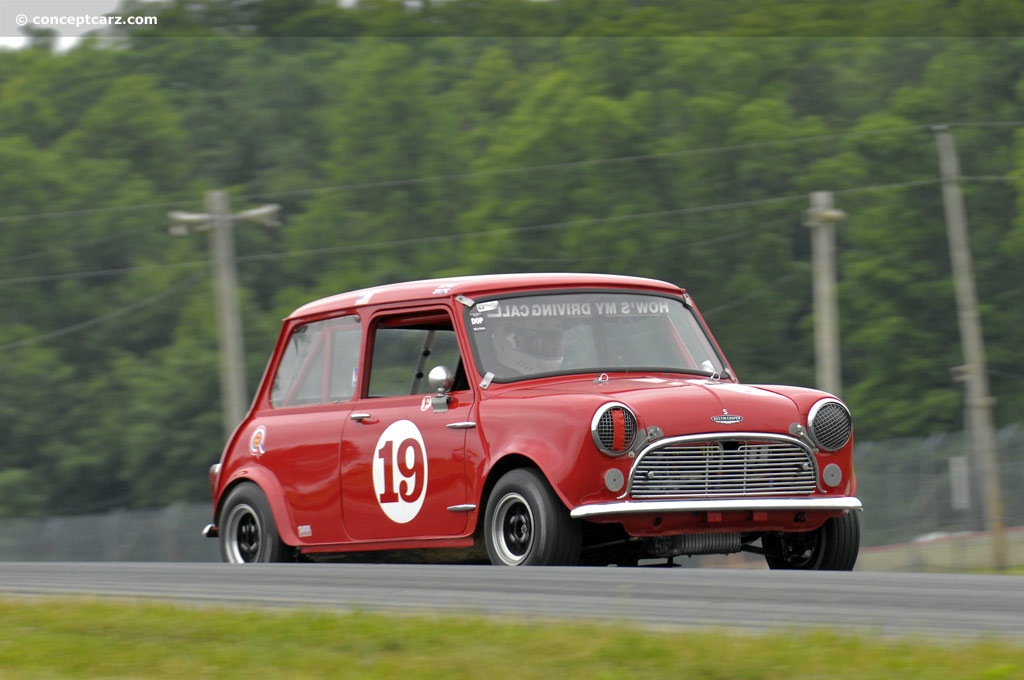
(316, 464)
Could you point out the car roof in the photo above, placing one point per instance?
(472, 286)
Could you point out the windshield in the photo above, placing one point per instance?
(588, 332)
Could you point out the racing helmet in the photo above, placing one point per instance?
(530, 345)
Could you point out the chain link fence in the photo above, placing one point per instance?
(915, 488)
(170, 534)
(923, 510)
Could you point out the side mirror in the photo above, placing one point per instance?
(441, 380)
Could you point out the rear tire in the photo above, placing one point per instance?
(831, 547)
(248, 532)
(526, 524)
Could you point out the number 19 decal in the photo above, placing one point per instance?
(400, 471)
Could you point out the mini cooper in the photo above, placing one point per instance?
(529, 419)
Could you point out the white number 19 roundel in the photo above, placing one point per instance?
(400, 471)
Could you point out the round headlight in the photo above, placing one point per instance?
(830, 424)
(614, 429)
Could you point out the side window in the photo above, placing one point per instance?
(404, 352)
(346, 334)
(301, 374)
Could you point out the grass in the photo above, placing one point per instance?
(81, 638)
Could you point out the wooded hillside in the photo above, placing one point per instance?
(647, 138)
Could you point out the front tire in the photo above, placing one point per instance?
(831, 547)
(248, 532)
(526, 524)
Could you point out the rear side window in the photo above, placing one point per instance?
(319, 365)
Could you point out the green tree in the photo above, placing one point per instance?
(645, 138)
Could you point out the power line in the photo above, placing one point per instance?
(99, 273)
(362, 247)
(383, 184)
(753, 294)
(484, 173)
(186, 283)
(980, 124)
(450, 237)
(895, 185)
(992, 178)
(449, 177)
(528, 229)
(66, 247)
(101, 319)
(729, 148)
(95, 211)
(70, 247)
(683, 247)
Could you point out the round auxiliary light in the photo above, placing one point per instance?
(613, 429)
(832, 475)
(830, 424)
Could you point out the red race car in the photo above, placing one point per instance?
(532, 419)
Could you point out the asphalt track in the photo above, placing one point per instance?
(921, 605)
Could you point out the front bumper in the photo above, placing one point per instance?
(711, 505)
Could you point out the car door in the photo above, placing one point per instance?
(297, 435)
(403, 457)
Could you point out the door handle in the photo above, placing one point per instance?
(359, 417)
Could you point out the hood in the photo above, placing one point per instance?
(681, 405)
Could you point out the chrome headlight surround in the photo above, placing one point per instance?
(614, 429)
(829, 424)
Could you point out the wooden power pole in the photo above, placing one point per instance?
(219, 222)
(980, 426)
(822, 218)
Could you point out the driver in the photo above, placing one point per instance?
(530, 345)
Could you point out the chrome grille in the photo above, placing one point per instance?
(724, 467)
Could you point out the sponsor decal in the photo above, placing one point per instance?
(305, 531)
(425, 404)
(258, 441)
(400, 471)
(484, 312)
(637, 307)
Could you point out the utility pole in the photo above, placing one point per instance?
(219, 222)
(822, 218)
(980, 425)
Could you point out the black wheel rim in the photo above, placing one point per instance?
(244, 535)
(513, 529)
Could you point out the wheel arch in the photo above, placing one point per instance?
(505, 464)
(274, 494)
(534, 453)
(553, 537)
